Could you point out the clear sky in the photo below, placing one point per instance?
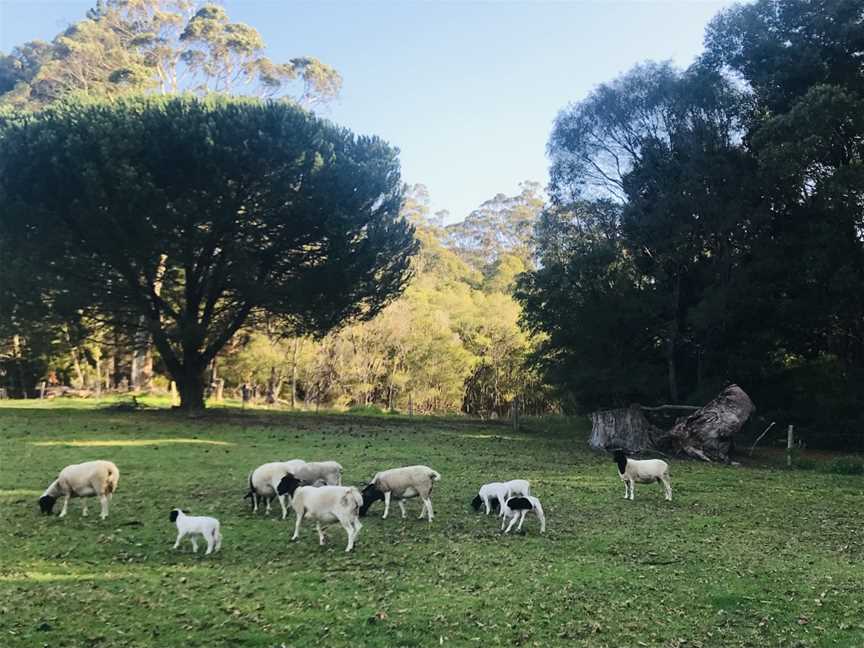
(467, 90)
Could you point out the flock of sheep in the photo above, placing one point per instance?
(316, 492)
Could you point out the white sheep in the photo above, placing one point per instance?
(516, 508)
(495, 493)
(87, 479)
(644, 471)
(327, 473)
(264, 481)
(325, 505)
(188, 525)
(401, 483)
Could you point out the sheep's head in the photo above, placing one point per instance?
(620, 458)
(287, 485)
(477, 502)
(371, 494)
(174, 514)
(46, 504)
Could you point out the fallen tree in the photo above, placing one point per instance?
(707, 434)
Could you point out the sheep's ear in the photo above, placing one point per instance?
(173, 515)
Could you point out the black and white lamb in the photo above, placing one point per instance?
(325, 505)
(516, 508)
(191, 525)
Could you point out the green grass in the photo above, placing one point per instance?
(743, 556)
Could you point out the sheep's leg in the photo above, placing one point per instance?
(180, 535)
(487, 505)
(429, 508)
(297, 526)
(352, 534)
(386, 505)
(65, 505)
(521, 519)
(402, 508)
(284, 508)
(218, 538)
(267, 510)
(668, 487)
(254, 502)
(322, 540)
(103, 502)
(542, 517)
(84, 504)
(194, 544)
(512, 522)
(632, 489)
(210, 544)
(626, 489)
(503, 522)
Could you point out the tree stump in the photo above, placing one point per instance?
(708, 433)
(625, 428)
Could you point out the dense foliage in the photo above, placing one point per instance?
(728, 246)
(195, 215)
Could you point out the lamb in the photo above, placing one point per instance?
(644, 471)
(328, 472)
(82, 480)
(516, 508)
(188, 525)
(497, 492)
(264, 481)
(401, 483)
(326, 505)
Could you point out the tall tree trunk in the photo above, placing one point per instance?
(672, 343)
(190, 384)
(294, 372)
(19, 364)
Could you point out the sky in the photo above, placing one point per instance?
(468, 91)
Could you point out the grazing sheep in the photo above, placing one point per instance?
(401, 483)
(325, 505)
(516, 508)
(82, 480)
(494, 493)
(207, 527)
(644, 471)
(264, 481)
(328, 473)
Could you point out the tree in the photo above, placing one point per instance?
(164, 46)
(232, 206)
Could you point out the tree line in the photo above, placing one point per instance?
(705, 224)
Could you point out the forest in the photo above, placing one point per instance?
(701, 227)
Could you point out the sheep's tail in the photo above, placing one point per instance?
(434, 476)
(111, 480)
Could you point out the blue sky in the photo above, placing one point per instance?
(467, 90)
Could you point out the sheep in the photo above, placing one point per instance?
(328, 473)
(401, 483)
(264, 480)
(326, 505)
(644, 471)
(516, 508)
(497, 492)
(82, 480)
(207, 527)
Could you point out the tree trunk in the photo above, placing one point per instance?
(190, 384)
(625, 428)
(708, 433)
(294, 372)
(672, 343)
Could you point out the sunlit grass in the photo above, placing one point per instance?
(106, 443)
(742, 557)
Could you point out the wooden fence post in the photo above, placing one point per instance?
(790, 442)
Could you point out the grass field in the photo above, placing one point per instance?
(743, 556)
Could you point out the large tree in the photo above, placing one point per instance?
(196, 214)
(164, 46)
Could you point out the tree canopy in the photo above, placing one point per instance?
(196, 214)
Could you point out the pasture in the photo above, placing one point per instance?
(747, 556)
